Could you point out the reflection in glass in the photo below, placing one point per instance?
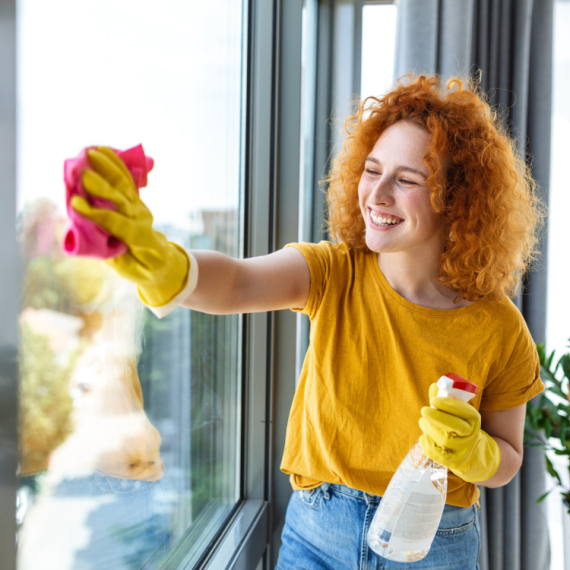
(129, 427)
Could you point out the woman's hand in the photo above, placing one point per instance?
(453, 437)
(159, 268)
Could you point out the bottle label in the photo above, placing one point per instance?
(419, 518)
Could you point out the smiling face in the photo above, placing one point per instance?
(394, 197)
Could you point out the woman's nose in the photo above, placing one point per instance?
(382, 192)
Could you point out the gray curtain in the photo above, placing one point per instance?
(510, 43)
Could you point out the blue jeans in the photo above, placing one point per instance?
(326, 528)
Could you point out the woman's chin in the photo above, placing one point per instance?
(377, 245)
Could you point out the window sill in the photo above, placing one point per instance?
(239, 547)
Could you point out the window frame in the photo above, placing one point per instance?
(9, 285)
(243, 542)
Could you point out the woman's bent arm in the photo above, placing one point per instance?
(506, 427)
(226, 285)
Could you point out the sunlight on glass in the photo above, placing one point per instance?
(378, 46)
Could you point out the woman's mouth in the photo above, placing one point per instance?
(385, 221)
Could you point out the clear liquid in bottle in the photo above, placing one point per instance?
(408, 516)
(405, 523)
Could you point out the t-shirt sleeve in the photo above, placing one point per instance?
(320, 258)
(519, 380)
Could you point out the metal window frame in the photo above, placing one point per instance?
(339, 53)
(242, 543)
(245, 539)
(9, 286)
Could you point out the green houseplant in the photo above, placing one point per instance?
(548, 419)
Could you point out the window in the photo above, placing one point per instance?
(378, 46)
(558, 315)
(130, 426)
(558, 331)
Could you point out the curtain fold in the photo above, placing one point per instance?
(508, 44)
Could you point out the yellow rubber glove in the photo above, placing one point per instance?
(159, 268)
(453, 437)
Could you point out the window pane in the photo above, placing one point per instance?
(130, 425)
(558, 331)
(558, 306)
(378, 47)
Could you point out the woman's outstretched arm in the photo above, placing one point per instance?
(280, 280)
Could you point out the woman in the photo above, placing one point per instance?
(434, 217)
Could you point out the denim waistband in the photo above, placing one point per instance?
(351, 492)
(367, 497)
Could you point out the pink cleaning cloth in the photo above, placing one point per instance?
(85, 237)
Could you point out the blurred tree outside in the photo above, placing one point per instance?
(46, 405)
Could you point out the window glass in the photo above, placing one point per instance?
(558, 302)
(378, 49)
(129, 425)
(558, 331)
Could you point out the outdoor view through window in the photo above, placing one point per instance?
(129, 425)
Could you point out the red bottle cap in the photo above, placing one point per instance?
(460, 383)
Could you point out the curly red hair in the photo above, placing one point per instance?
(479, 181)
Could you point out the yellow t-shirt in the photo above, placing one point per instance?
(371, 359)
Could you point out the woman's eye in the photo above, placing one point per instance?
(404, 181)
(373, 172)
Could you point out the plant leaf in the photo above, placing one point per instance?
(556, 389)
(544, 495)
(550, 468)
(547, 374)
(547, 427)
(550, 359)
(541, 352)
(565, 363)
